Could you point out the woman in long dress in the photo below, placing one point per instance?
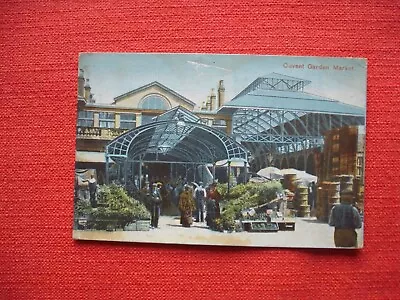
(186, 206)
(213, 210)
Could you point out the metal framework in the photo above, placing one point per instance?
(176, 136)
(274, 115)
(287, 131)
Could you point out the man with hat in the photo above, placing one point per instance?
(156, 205)
(345, 218)
(200, 195)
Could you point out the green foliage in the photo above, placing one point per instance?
(219, 226)
(228, 220)
(83, 208)
(244, 196)
(116, 209)
(222, 189)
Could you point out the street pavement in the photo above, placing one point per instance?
(309, 232)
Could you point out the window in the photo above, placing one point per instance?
(127, 121)
(155, 102)
(107, 120)
(217, 122)
(85, 118)
(219, 125)
(146, 119)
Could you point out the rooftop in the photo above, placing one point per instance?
(154, 83)
(281, 92)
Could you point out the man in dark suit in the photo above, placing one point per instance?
(345, 218)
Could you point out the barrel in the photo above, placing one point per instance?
(302, 201)
(333, 195)
(290, 201)
(290, 182)
(346, 181)
(323, 207)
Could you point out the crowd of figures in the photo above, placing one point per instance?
(195, 202)
(200, 204)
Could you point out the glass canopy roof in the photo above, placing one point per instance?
(275, 110)
(175, 136)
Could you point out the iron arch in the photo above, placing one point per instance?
(300, 163)
(311, 164)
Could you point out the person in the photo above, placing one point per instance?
(186, 206)
(268, 215)
(311, 195)
(136, 182)
(156, 205)
(213, 209)
(345, 218)
(92, 191)
(200, 194)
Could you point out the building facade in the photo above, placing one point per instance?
(274, 118)
(99, 123)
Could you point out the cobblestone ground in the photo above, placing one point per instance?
(309, 233)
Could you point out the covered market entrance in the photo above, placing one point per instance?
(178, 140)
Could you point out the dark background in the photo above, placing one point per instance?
(40, 42)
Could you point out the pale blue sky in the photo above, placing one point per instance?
(193, 75)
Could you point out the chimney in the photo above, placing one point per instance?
(221, 94)
(213, 100)
(87, 90)
(204, 105)
(81, 83)
(208, 103)
(91, 98)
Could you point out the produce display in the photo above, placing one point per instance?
(242, 197)
(116, 209)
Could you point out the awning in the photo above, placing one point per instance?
(234, 163)
(90, 157)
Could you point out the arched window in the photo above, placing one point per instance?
(155, 102)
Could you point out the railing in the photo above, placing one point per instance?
(97, 133)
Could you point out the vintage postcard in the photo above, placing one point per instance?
(235, 150)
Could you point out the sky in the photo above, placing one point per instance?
(193, 75)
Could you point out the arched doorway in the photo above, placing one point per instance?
(310, 164)
(292, 162)
(275, 163)
(300, 163)
(284, 164)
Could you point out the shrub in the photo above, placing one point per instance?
(219, 224)
(245, 196)
(222, 189)
(116, 209)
